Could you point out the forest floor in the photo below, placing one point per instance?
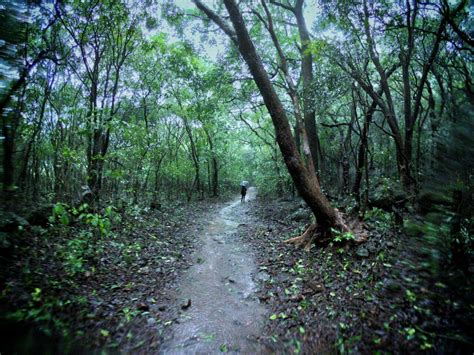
(121, 299)
(216, 277)
(383, 295)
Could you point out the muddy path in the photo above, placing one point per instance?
(217, 305)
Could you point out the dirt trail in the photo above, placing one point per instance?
(225, 314)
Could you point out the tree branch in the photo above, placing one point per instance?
(219, 21)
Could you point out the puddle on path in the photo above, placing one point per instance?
(224, 314)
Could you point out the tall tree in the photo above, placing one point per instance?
(105, 35)
(305, 180)
(309, 109)
(27, 42)
(413, 29)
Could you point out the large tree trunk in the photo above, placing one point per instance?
(305, 181)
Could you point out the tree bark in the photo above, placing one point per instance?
(292, 90)
(213, 167)
(307, 75)
(195, 158)
(8, 149)
(362, 152)
(10, 122)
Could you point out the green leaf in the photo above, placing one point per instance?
(223, 348)
(64, 219)
(58, 209)
(36, 294)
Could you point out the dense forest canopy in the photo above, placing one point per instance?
(351, 105)
(96, 92)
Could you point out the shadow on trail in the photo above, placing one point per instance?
(224, 314)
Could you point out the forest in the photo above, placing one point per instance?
(242, 176)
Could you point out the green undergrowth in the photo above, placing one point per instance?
(64, 278)
(382, 295)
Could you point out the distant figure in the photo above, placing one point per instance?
(243, 192)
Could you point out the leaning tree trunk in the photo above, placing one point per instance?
(305, 181)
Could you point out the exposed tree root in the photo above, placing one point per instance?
(306, 238)
(324, 236)
(340, 224)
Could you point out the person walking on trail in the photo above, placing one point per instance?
(243, 190)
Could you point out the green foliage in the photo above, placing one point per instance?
(442, 244)
(162, 120)
(299, 268)
(75, 253)
(465, 238)
(60, 214)
(98, 223)
(131, 252)
(317, 48)
(411, 296)
(340, 237)
(381, 220)
(90, 227)
(42, 309)
(129, 314)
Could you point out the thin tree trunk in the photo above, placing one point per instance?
(8, 149)
(26, 156)
(215, 177)
(362, 153)
(307, 74)
(10, 121)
